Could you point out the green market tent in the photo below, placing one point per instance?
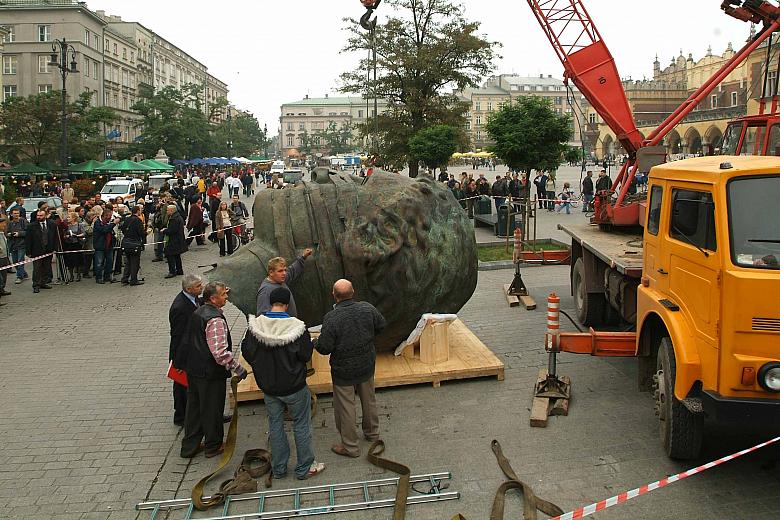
(157, 165)
(257, 158)
(125, 166)
(85, 167)
(25, 168)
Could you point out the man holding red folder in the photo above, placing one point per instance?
(179, 316)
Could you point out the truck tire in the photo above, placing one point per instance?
(590, 306)
(681, 430)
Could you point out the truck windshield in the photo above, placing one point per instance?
(753, 217)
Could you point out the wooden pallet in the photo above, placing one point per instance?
(468, 358)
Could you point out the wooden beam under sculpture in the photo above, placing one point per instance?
(406, 245)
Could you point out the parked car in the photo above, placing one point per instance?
(31, 204)
(125, 187)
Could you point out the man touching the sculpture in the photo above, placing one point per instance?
(348, 333)
(280, 275)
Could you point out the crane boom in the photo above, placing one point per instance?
(588, 64)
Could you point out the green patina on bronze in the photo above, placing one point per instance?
(405, 244)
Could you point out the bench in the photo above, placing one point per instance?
(488, 219)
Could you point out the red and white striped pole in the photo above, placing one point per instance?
(553, 335)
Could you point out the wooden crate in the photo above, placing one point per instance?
(468, 358)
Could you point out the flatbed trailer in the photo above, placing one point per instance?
(606, 268)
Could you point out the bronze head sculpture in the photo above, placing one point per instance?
(406, 245)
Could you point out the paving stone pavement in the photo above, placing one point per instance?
(86, 416)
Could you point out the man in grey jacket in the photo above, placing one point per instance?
(348, 333)
(280, 275)
(17, 229)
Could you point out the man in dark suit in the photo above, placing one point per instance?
(40, 240)
(175, 243)
(179, 315)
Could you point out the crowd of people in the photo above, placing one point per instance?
(95, 238)
(278, 346)
(517, 188)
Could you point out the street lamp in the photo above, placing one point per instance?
(230, 133)
(265, 141)
(59, 58)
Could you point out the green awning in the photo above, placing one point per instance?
(157, 165)
(25, 168)
(125, 166)
(85, 167)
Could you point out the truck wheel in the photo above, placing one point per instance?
(590, 306)
(681, 430)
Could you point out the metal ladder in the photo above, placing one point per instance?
(437, 482)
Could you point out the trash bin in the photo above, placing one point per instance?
(501, 224)
(483, 206)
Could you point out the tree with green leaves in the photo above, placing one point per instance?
(573, 155)
(31, 127)
(244, 134)
(336, 139)
(424, 50)
(529, 135)
(435, 145)
(173, 119)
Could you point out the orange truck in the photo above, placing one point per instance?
(701, 286)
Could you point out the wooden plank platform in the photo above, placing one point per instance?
(543, 407)
(514, 301)
(468, 358)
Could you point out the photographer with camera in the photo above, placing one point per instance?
(159, 222)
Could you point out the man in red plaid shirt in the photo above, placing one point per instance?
(209, 361)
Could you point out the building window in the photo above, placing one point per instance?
(11, 37)
(558, 100)
(477, 106)
(478, 122)
(116, 49)
(86, 37)
(43, 64)
(124, 103)
(301, 126)
(124, 53)
(468, 125)
(95, 69)
(86, 67)
(490, 106)
(132, 57)
(714, 101)
(44, 33)
(479, 135)
(331, 113)
(96, 42)
(9, 91)
(592, 118)
(771, 79)
(289, 126)
(733, 99)
(360, 114)
(9, 64)
(289, 140)
(44, 89)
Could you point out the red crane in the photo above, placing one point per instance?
(590, 66)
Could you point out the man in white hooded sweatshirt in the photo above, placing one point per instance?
(278, 347)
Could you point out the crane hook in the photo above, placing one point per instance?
(366, 22)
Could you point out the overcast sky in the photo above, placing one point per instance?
(270, 52)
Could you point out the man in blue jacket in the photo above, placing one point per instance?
(278, 347)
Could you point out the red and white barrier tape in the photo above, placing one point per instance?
(31, 260)
(628, 495)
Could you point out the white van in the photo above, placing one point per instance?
(277, 167)
(125, 187)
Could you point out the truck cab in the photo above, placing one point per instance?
(708, 313)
